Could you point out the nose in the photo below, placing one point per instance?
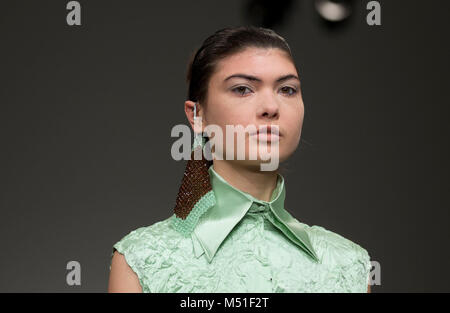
(269, 109)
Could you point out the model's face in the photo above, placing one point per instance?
(259, 99)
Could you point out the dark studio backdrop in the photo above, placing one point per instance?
(86, 113)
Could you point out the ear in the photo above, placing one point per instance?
(189, 110)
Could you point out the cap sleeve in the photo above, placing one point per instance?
(346, 259)
(364, 259)
(129, 246)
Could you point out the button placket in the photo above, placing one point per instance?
(265, 208)
(267, 213)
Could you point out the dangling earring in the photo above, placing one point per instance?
(195, 195)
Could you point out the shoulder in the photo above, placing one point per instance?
(338, 249)
(144, 249)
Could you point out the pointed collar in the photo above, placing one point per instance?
(231, 205)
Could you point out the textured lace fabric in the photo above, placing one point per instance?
(254, 257)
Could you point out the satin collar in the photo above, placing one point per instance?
(231, 205)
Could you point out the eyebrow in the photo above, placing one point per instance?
(254, 78)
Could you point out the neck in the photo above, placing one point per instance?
(259, 184)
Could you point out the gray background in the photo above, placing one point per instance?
(86, 114)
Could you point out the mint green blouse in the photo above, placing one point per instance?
(232, 242)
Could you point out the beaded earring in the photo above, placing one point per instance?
(195, 195)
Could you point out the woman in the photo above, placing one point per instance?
(230, 231)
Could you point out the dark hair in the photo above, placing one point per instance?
(223, 43)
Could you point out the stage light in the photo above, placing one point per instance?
(333, 10)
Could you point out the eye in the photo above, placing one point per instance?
(240, 90)
(289, 91)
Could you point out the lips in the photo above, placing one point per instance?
(267, 133)
(269, 129)
(268, 137)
